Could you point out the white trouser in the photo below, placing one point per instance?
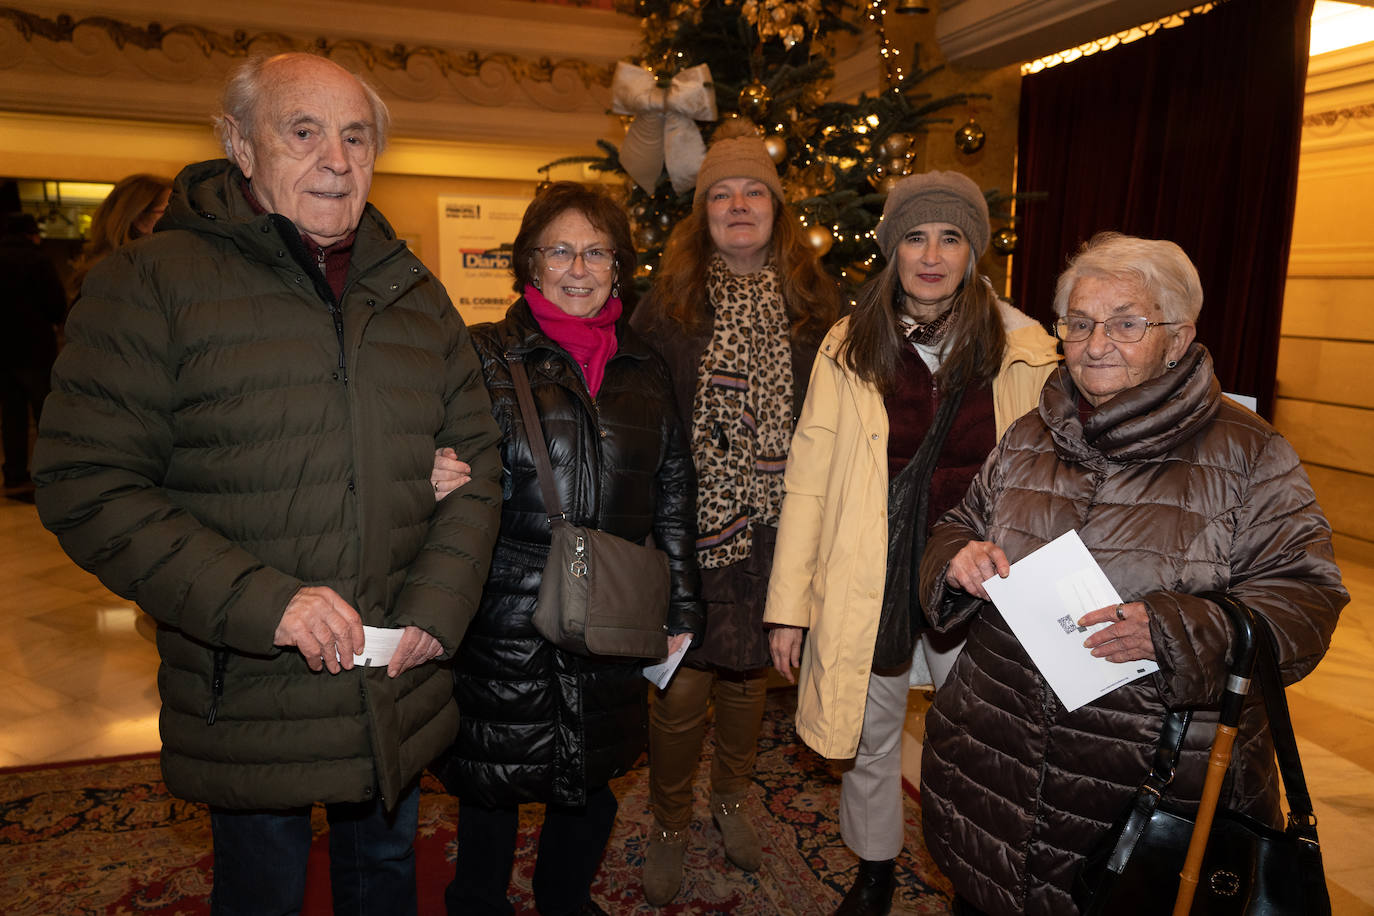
(872, 816)
(871, 810)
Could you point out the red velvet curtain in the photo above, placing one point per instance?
(1190, 134)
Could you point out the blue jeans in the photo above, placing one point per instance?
(260, 858)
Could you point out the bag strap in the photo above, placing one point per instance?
(538, 448)
(1300, 816)
(1266, 672)
(1148, 796)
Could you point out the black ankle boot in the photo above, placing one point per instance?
(871, 894)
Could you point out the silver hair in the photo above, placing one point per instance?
(249, 83)
(1161, 268)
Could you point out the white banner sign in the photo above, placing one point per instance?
(476, 274)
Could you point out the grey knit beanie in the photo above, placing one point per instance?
(737, 157)
(935, 197)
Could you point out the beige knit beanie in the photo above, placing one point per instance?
(935, 197)
(737, 157)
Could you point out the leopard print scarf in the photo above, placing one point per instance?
(742, 413)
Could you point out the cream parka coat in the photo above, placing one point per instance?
(831, 559)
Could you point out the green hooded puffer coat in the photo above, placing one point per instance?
(220, 434)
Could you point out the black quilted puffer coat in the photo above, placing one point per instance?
(541, 724)
(215, 440)
(1176, 491)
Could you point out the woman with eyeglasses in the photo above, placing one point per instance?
(907, 397)
(1176, 490)
(540, 724)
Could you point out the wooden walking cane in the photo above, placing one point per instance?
(1237, 686)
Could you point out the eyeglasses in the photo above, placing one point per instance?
(560, 257)
(1120, 328)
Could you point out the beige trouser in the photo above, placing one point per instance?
(871, 810)
(677, 729)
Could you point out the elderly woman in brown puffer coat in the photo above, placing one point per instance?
(1176, 490)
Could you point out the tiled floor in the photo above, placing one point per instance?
(80, 681)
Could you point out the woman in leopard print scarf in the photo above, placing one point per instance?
(738, 309)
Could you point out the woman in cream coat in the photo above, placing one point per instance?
(907, 397)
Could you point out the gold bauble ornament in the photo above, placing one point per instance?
(888, 182)
(899, 166)
(647, 236)
(777, 148)
(1005, 240)
(895, 145)
(820, 239)
(969, 138)
(754, 100)
(877, 172)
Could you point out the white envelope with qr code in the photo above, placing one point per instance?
(1042, 599)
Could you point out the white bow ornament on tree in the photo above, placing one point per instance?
(663, 132)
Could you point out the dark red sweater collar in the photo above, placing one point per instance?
(331, 260)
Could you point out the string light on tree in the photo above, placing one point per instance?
(877, 13)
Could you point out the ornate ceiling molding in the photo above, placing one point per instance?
(110, 67)
(93, 38)
(1330, 118)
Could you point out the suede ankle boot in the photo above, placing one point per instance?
(663, 864)
(871, 894)
(741, 841)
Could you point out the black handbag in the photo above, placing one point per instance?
(1248, 867)
(599, 594)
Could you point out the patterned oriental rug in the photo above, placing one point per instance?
(105, 837)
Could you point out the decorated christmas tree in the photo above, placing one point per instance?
(708, 66)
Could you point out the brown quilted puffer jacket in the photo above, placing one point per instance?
(1176, 491)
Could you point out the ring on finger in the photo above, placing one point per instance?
(436, 485)
(1121, 612)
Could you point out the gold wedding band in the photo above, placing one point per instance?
(1120, 614)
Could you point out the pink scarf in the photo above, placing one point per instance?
(590, 341)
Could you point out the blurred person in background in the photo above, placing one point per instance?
(128, 212)
(33, 305)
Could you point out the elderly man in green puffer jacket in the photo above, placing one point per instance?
(240, 438)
